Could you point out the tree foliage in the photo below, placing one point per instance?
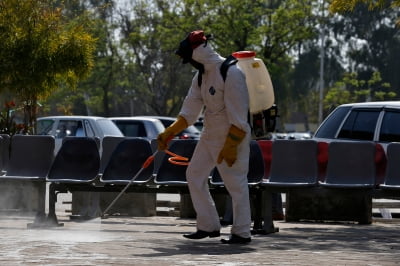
(151, 38)
(39, 50)
(344, 6)
(152, 31)
(341, 6)
(353, 89)
(369, 36)
(48, 47)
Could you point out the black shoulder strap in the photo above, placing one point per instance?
(230, 61)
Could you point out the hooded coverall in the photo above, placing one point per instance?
(226, 103)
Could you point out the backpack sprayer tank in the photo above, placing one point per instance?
(261, 91)
(262, 110)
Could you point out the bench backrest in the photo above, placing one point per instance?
(351, 163)
(126, 160)
(109, 143)
(294, 161)
(392, 176)
(169, 173)
(30, 155)
(256, 167)
(77, 161)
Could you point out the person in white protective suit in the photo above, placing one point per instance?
(225, 140)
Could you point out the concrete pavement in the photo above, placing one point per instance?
(159, 241)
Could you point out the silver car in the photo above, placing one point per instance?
(150, 126)
(372, 121)
(76, 126)
(131, 126)
(190, 132)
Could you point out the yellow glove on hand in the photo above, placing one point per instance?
(170, 132)
(229, 151)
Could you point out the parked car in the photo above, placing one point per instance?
(76, 126)
(374, 121)
(298, 135)
(189, 133)
(145, 127)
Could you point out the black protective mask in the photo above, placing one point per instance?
(185, 51)
(197, 65)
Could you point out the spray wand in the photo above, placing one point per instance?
(174, 159)
(144, 166)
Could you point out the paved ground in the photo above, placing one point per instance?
(159, 241)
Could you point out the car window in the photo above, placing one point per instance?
(44, 126)
(131, 128)
(390, 129)
(67, 128)
(89, 129)
(108, 127)
(332, 123)
(166, 122)
(192, 130)
(360, 124)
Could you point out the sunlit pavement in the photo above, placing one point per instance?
(159, 241)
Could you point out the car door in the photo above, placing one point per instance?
(360, 124)
(390, 126)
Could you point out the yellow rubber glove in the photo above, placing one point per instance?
(229, 151)
(170, 132)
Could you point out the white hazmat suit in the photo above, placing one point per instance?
(226, 104)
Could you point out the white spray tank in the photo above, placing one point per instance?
(261, 91)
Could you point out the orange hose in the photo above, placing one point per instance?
(148, 161)
(177, 159)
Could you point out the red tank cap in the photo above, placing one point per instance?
(244, 54)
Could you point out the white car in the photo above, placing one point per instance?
(373, 121)
(191, 132)
(76, 126)
(131, 126)
(150, 126)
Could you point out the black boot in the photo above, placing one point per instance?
(235, 239)
(202, 234)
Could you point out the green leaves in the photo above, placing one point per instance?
(341, 6)
(39, 50)
(353, 89)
